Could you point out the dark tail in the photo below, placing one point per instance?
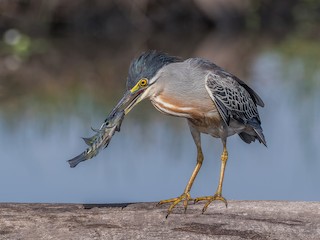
(251, 138)
(78, 159)
(260, 136)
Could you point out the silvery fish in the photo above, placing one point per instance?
(101, 139)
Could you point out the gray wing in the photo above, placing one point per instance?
(232, 97)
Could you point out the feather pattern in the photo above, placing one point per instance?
(232, 99)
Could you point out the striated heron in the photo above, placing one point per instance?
(212, 100)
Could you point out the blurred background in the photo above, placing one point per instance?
(63, 66)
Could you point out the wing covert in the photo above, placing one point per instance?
(231, 98)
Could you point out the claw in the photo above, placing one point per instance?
(185, 197)
(210, 199)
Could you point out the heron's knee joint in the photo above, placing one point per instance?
(224, 156)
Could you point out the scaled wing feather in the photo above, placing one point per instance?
(231, 98)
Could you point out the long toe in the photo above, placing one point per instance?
(185, 197)
(210, 199)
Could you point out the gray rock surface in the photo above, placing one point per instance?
(241, 220)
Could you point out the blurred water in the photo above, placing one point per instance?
(153, 156)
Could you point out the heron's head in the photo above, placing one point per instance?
(142, 74)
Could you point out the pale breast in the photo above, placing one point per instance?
(204, 117)
(177, 107)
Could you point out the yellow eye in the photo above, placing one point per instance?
(143, 82)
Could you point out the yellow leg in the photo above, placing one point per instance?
(218, 194)
(185, 196)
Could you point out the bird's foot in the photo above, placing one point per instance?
(210, 199)
(185, 197)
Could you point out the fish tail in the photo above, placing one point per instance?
(76, 160)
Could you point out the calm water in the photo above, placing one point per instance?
(153, 155)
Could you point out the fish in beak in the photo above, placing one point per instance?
(131, 98)
(112, 124)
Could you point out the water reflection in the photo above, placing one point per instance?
(153, 155)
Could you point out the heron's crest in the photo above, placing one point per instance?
(147, 65)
